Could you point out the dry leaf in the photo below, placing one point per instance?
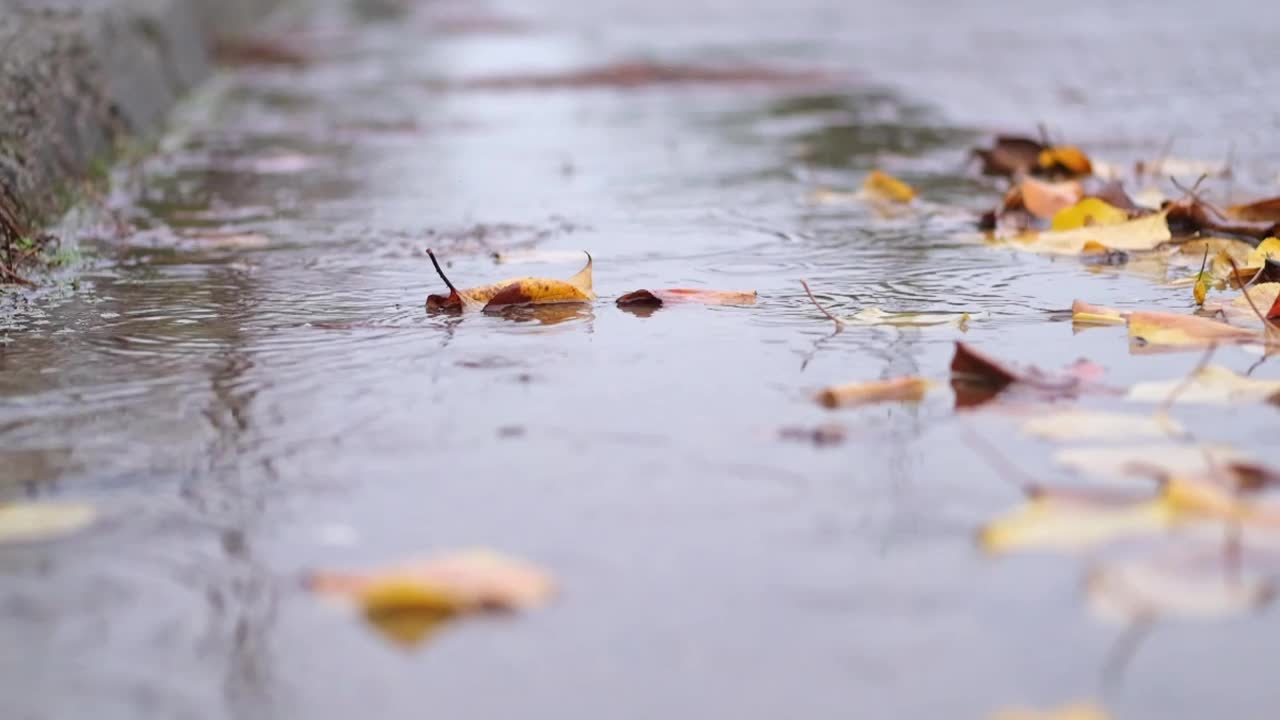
(882, 186)
(903, 389)
(1046, 200)
(1171, 330)
(1069, 523)
(1267, 210)
(515, 291)
(1096, 425)
(1010, 155)
(1144, 233)
(1075, 711)
(1088, 314)
(30, 522)
(706, 297)
(977, 377)
(1089, 212)
(1064, 159)
(1213, 384)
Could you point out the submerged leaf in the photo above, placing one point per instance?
(515, 291)
(30, 522)
(882, 186)
(903, 389)
(706, 297)
(1213, 384)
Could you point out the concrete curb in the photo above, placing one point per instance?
(79, 76)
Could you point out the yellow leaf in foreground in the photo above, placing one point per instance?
(1057, 523)
(29, 522)
(1089, 212)
(1145, 233)
(902, 389)
(883, 186)
(1096, 425)
(1075, 711)
(1213, 384)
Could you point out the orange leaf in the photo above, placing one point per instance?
(1065, 158)
(1045, 199)
(883, 186)
(515, 291)
(902, 389)
(707, 297)
(1267, 210)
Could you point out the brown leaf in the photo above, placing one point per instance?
(1010, 155)
(1267, 210)
(1190, 215)
(1066, 160)
(977, 377)
(706, 297)
(515, 291)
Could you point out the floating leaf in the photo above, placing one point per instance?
(516, 291)
(1087, 424)
(1144, 233)
(882, 186)
(1089, 212)
(977, 377)
(706, 297)
(876, 316)
(1171, 330)
(1088, 314)
(1267, 210)
(1213, 384)
(1148, 460)
(460, 582)
(903, 389)
(30, 522)
(1076, 711)
(1068, 523)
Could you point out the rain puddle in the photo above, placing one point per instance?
(247, 386)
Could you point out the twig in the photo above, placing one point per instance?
(839, 323)
(1166, 405)
(1123, 650)
(440, 271)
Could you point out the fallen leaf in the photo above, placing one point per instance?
(1171, 330)
(1076, 711)
(1136, 591)
(1088, 424)
(413, 597)
(1213, 384)
(515, 291)
(706, 297)
(1088, 314)
(1064, 159)
(1267, 210)
(1009, 155)
(1190, 215)
(1050, 522)
(31, 522)
(882, 186)
(1089, 212)
(903, 389)
(1268, 249)
(877, 316)
(1261, 296)
(1146, 460)
(977, 377)
(1046, 200)
(1144, 233)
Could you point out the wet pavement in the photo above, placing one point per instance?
(247, 384)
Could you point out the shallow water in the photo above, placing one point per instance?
(248, 386)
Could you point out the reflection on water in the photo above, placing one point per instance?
(227, 403)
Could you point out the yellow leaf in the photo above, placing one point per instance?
(1076, 711)
(1068, 158)
(903, 389)
(1201, 289)
(1268, 249)
(1144, 233)
(1213, 384)
(29, 522)
(514, 291)
(1089, 212)
(882, 186)
(1058, 523)
(876, 316)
